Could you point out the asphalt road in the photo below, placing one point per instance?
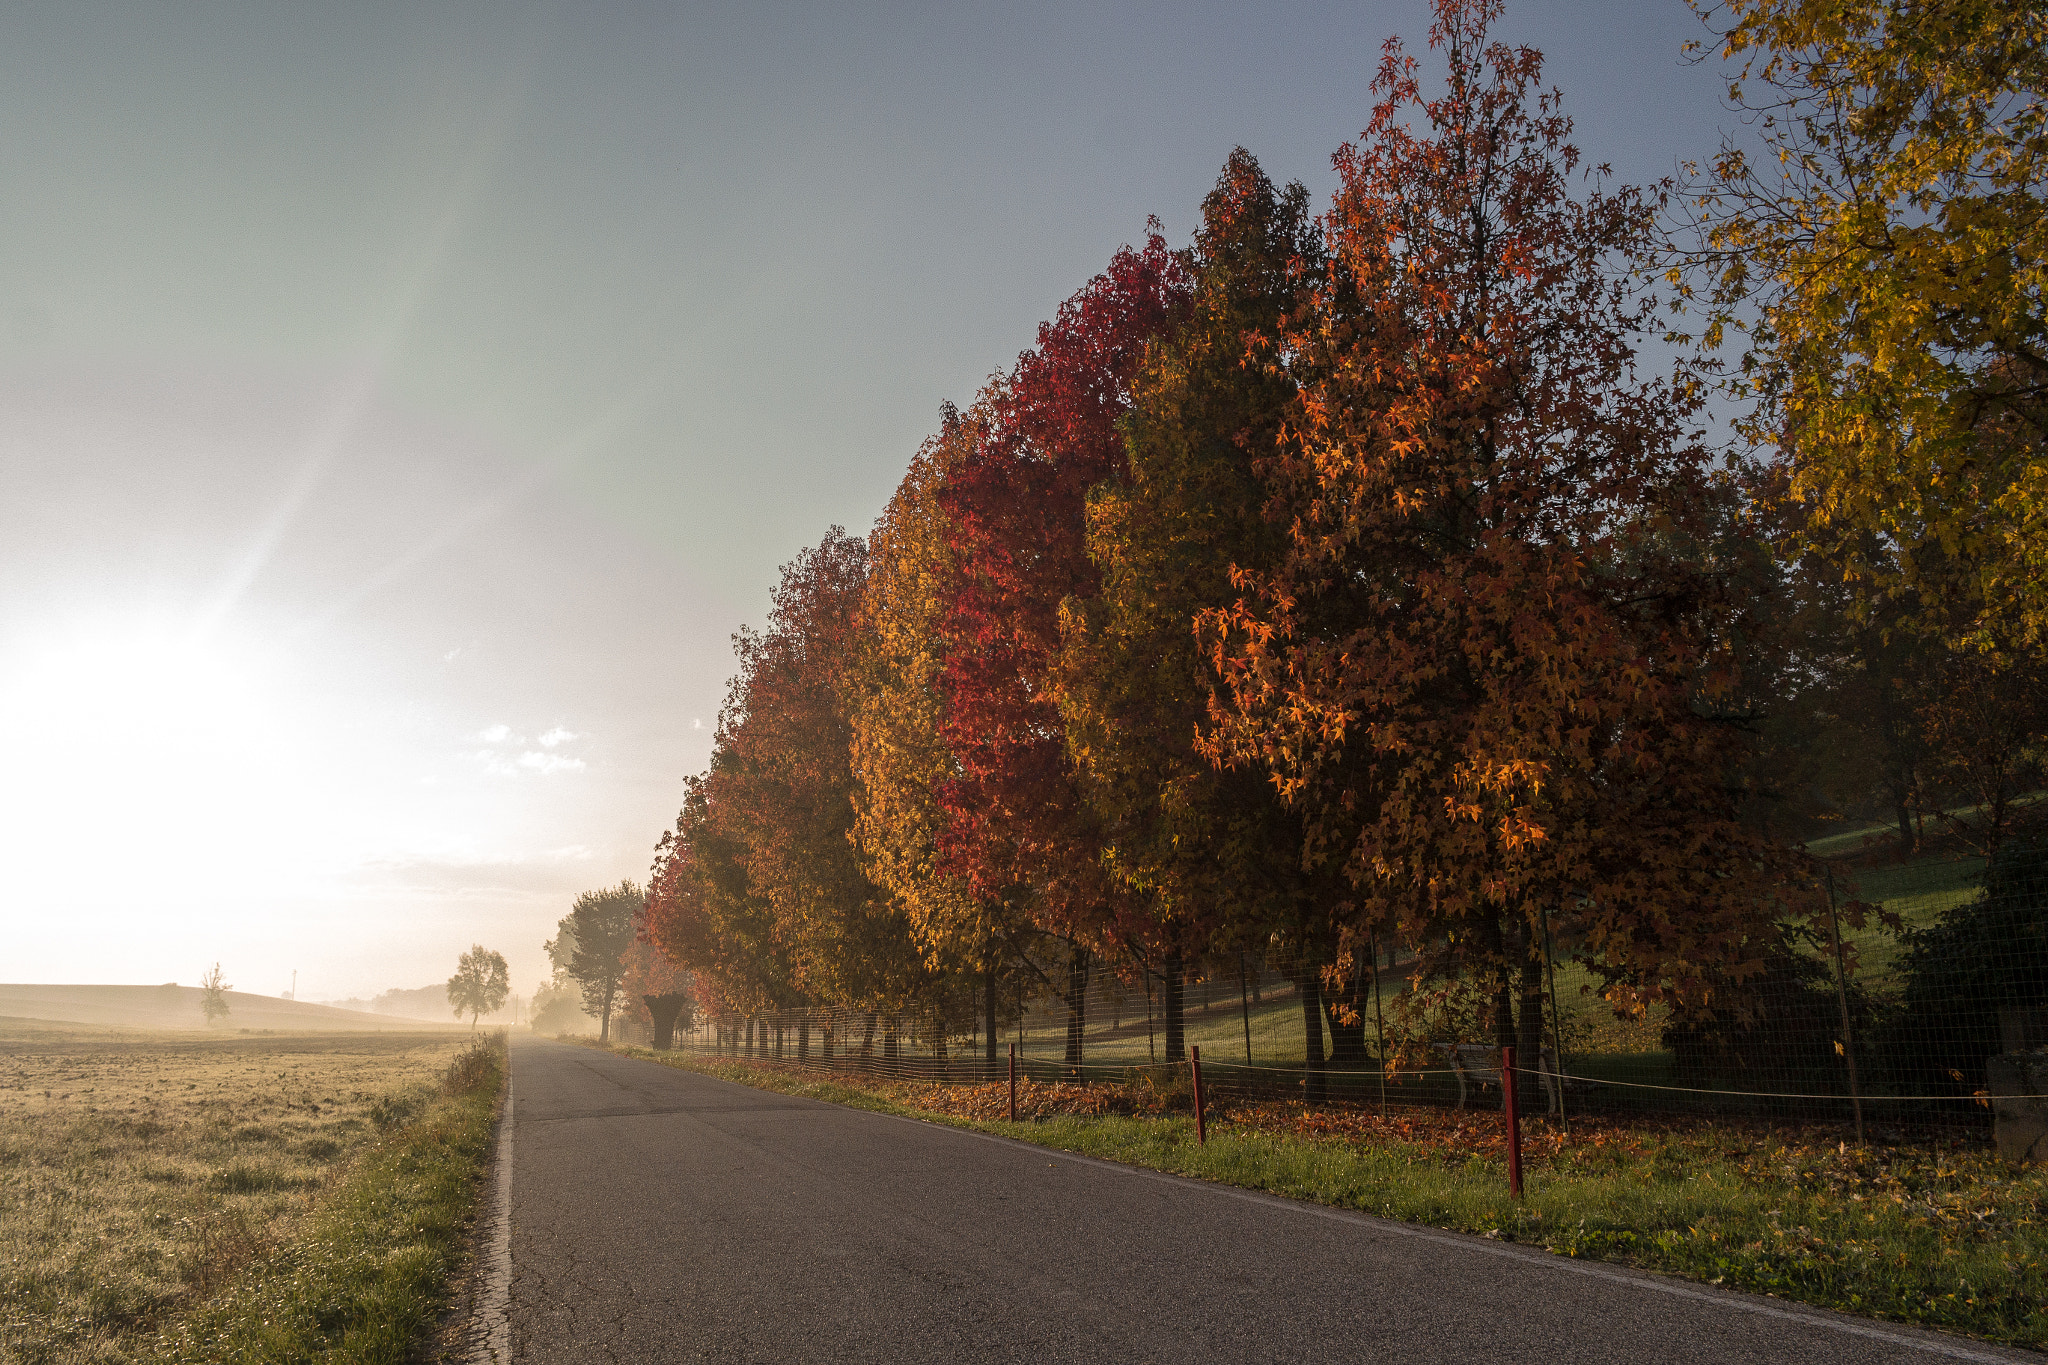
(658, 1215)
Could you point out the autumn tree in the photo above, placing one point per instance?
(1887, 248)
(763, 876)
(1492, 667)
(1018, 830)
(602, 924)
(480, 984)
(789, 726)
(899, 755)
(703, 912)
(1212, 850)
(657, 991)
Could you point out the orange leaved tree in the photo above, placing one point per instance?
(1494, 666)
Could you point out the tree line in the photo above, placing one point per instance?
(1387, 581)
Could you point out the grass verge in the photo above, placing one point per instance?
(370, 1272)
(1937, 1234)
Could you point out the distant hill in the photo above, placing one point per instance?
(177, 1007)
(425, 1002)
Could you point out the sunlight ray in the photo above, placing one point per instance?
(351, 399)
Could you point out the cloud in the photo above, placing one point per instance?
(500, 734)
(696, 724)
(549, 763)
(558, 735)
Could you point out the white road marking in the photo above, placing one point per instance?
(494, 1308)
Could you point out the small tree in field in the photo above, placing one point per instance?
(480, 984)
(213, 995)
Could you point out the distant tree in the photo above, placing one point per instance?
(213, 995)
(554, 1008)
(480, 984)
(602, 925)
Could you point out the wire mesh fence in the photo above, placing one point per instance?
(1932, 1011)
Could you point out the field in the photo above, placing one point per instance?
(142, 1173)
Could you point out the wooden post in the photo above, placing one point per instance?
(1507, 1099)
(1201, 1122)
(1244, 1006)
(1842, 999)
(1013, 1082)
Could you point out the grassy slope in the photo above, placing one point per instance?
(177, 1007)
(1940, 1236)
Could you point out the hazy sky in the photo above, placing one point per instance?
(400, 406)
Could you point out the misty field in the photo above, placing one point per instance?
(140, 1172)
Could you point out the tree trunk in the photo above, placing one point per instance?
(803, 1038)
(1529, 1034)
(1906, 840)
(665, 1010)
(1347, 1040)
(988, 1008)
(889, 1039)
(827, 1035)
(1308, 980)
(1176, 1007)
(867, 1041)
(1077, 1003)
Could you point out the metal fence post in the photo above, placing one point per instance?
(1201, 1125)
(1507, 1096)
(1013, 1082)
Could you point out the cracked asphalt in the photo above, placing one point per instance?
(659, 1215)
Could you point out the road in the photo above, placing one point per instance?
(658, 1215)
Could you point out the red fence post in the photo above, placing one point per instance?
(1507, 1097)
(1013, 1082)
(1201, 1124)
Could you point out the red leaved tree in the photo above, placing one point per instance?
(1018, 829)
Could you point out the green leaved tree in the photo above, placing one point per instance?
(602, 924)
(480, 984)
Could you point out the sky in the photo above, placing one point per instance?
(402, 405)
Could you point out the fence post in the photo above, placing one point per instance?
(1201, 1123)
(1507, 1098)
(1842, 999)
(1013, 1082)
(1244, 1006)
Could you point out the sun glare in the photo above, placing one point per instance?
(145, 760)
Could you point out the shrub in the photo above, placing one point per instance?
(1780, 1030)
(1960, 973)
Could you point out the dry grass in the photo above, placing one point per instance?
(140, 1171)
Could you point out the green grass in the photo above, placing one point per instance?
(1937, 1235)
(368, 1275)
